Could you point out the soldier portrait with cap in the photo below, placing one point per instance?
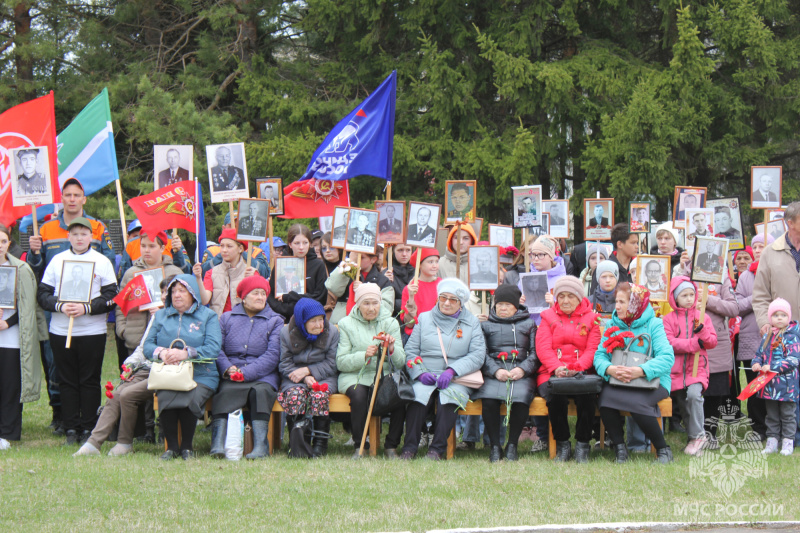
(290, 275)
(30, 180)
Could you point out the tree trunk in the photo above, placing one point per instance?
(22, 60)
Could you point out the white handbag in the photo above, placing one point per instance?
(178, 377)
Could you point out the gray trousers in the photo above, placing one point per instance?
(124, 406)
(781, 422)
(690, 403)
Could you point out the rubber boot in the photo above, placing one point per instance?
(320, 447)
(621, 452)
(582, 452)
(563, 451)
(219, 428)
(260, 441)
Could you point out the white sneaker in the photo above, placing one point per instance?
(788, 447)
(771, 447)
(350, 442)
(539, 446)
(4, 444)
(86, 449)
(120, 450)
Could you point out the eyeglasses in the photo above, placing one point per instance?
(445, 299)
(537, 255)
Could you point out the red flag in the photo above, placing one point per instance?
(31, 123)
(757, 384)
(314, 198)
(132, 295)
(168, 207)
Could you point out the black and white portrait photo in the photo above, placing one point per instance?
(339, 235)
(699, 223)
(290, 275)
(172, 163)
(326, 224)
(776, 214)
(775, 228)
(500, 235)
(708, 261)
(227, 172)
(8, 288)
(252, 220)
(362, 231)
(152, 279)
(727, 221)
(686, 198)
(559, 217)
(391, 219)
(598, 214)
(653, 272)
(534, 289)
(766, 187)
(483, 264)
(271, 189)
(527, 205)
(76, 282)
(30, 183)
(423, 220)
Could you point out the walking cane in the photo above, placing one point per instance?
(384, 347)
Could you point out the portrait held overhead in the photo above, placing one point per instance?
(340, 218)
(172, 164)
(709, 260)
(422, 224)
(559, 217)
(699, 223)
(252, 220)
(527, 202)
(460, 200)
(30, 184)
(766, 187)
(728, 220)
(639, 216)
(362, 231)
(227, 172)
(598, 218)
(391, 221)
(271, 189)
(484, 267)
(653, 273)
(686, 198)
(502, 236)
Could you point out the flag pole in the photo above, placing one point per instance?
(387, 256)
(121, 218)
(197, 191)
(269, 237)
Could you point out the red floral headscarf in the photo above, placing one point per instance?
(639, 301)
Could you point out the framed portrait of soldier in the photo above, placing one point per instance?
(535, 289)
(30, 177)
(227, 172)
(699, 223)
(477, 227)
(391, 222)
(728, 221)
(8, 287)
(775, 228)
(325, 224)
(252, 221)
(527, 206)
(776, 214)
(766, 187)
(75, 285)
(639, 217)
(653, 273)
(271, 189)
(709, 260)
(339, 235)
(686, 198)
(598, 215)
(559, 217)
(500, 235)
(362, 231)
(152, 280)
(423, 222)
(172, 163)
(483, 267)
(290, 275)
(459, 200)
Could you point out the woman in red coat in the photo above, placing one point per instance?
(566, 342)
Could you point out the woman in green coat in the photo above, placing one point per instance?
(633, 316)
(22, 324)
(359, 350)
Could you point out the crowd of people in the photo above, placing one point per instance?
(248, 345)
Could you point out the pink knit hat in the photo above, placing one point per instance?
(779, 304)
(569, 284)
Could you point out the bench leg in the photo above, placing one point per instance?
(374, 434)
(451, 445)
(551, 441)
(602, 435)
(274, 432)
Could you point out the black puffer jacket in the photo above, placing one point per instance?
(316, 274)
(504, 335)
(403, 274)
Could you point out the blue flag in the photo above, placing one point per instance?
(362, 143)
(201, 224)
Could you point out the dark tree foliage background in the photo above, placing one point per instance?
(625, 97)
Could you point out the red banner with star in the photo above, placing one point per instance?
(132, 295)
(757, 384)
(168, 207)
(314, 198)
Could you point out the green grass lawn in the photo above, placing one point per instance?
(45, 489)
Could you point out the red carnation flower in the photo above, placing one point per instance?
(502, 355)
(418, 360)
(109, 395)
(323, 387)
(410, 364)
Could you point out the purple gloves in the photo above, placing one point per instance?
(427, 379)
(445, 378)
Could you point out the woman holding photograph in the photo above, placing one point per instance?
(80, 365)
(218, 288)
(21, 329)
(421, 295)
(299, 243)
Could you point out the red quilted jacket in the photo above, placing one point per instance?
(576, 336)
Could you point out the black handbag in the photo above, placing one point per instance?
(580, 383)
(394, 390)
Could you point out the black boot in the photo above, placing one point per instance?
(664, 455)
(621, 452)
(260, 440)
(495, 454)
(322, 424)
(219, 428)
(563, 451)
(511, 452)
(57, 425)
(582, 452)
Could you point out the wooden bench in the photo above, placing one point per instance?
(339, 403)
(539, 408)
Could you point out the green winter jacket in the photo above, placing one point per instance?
(32, 329)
